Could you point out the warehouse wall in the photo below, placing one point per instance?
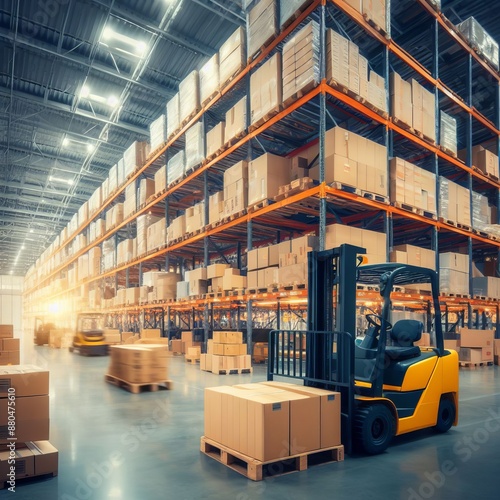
(11, 301)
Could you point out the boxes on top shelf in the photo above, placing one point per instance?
(209, 78)
(480, 40)
(189, 96)
(301, 60)
(266, 88)
(262, 25)
(134, 157)
(232, 56)
(173, 115)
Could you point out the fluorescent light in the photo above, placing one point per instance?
(90, 148)
(23, 247)
(43, 201)
(31, 230)
(112, 101)
(84, 91)
(58, 179)
(141, 47)
(65, 142)
(123, 43)
(107, 33)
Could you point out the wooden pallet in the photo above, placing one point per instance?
(261, 121)
(299, 93)
(455, 295)
(375, 197)
(365, 102)
(458, 225)
(257, 290)
(295, 187)
(193, 361)
(137, 388)
(233, 293)
(27, 480)
(471, 365)
(345, 187)
(294, 286)
(341, 88)
(447, 151)
(233, 371)
(228, 80)
(400, 123)
(259, 205)
(256, 470)
(188, 119)
(264, 45)
(213, 95)
(415, 210)
(429, 139)
(367, 288)
(373, 24)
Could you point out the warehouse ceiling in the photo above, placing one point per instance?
(80, 80)
(57, 141)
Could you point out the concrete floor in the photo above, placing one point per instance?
(117, 445)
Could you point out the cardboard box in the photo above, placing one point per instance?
(452, 345)
(229, 349)
(176, 345)
(6, 331)
(236, 120)
(223, 337)
(265, 175)
(476, 338)
(24, 463)
(46, 457)
(476, 355)
(10, 344)
(215, 138)
(27, 380)
(11, 357)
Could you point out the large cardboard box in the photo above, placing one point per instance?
(24, 463)
(236, 120)
(32, 419)
(476, 355)
(223, 337)
(46, 457)
(215, 138)
(10, 344)
(6, 331)
(27, 380)
(265, 175)
(401, 99)
(232, 56)
(476, 338)
(330, 422)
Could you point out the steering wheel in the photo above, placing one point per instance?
(376, 321)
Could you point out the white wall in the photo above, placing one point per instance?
(11, 302)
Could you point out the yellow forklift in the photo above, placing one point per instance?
(388, 385)
(89, 335)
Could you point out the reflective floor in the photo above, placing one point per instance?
(117, 445)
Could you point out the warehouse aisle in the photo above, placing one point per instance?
(117, 445)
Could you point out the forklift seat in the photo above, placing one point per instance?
(403, 334)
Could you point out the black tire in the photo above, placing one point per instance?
(374, 428)
(446, 415)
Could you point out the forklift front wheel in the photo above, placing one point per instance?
(374, 428)
(446, 414)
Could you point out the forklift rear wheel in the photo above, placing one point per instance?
(446, 415)
(374, 428)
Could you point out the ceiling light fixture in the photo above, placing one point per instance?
(58, 179)
(123, 43)
(67, 141)
(112, 101)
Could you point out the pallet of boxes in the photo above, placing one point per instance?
(226, 354)
(476, 348)
(139, 367)
(271, 427)
(9, 346)
(24, 425)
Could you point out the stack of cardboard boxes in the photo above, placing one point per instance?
(455, 202)
(414, 256)
(482, 158)
(134, 157)
(193, 354)
(139, 364)
(272, 420)
(265, 176)
(125, 251)
(176, 167)
(9, 346)
(232, 56)
(412, 185)
(143, 223)
(301, 60)
(209, 79)
(346, 67)
(226, 352)
(216, 207)
(189, 96)
(176, 229)
(182, 345)
(215, 275)
(156, 235)
(371, 9)
(114, 216)
(486, 286)
(266, 89)
(454, 273)
(372, 241)
(476, 346)
(195, 145)
(262, 23)
(31, 450)
(448, 129)
(195, 217)
(173, 116)
(235, 191)
(158, 132)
